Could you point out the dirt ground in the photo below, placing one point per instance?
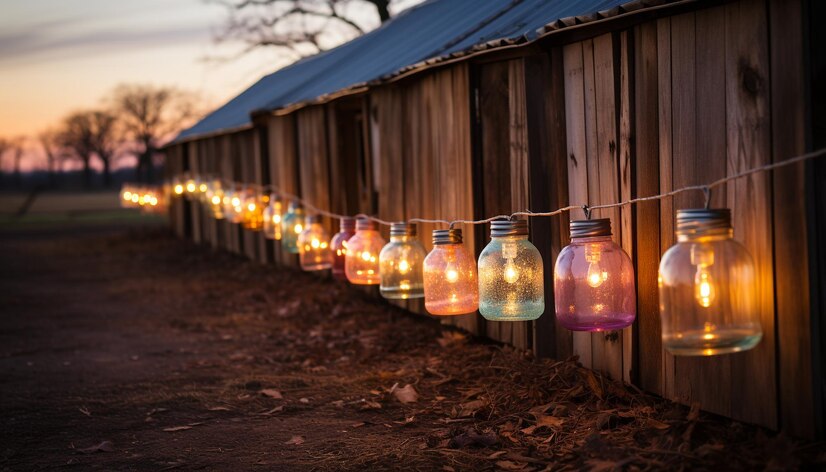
(128, 349)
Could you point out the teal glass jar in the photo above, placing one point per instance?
(292, 226)
(511, 279)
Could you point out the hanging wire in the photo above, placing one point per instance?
(587, 209)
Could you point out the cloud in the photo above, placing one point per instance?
(45, 43)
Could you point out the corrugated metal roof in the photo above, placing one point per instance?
(424, 33)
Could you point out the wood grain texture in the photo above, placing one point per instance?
(753, 374)
(791, 261)
(283, 169)
(647, 215)
(577, 152)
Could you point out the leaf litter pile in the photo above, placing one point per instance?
(178, 357)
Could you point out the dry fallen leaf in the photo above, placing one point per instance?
(105, 446)
(219, 408)
(177, 428)
(593, 383)
(406, 394)
(272, 393)
(511, 465)
(656, 424)
(296, 440)
(85, 411)
(371, 405)
(274, 410)
(451, 337)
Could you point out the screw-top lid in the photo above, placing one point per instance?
(591, 228)
(312, 219)
(701, 220)
(447, 236)
(403, 229)
(347, 225)
(501, 228)
(365, 224)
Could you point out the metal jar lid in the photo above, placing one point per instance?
(403, 229)
(591, 228)
(295, 207)
(447, 236)
(502, 228)
(365, 224)
(347, 225)
(312, 219)
(702, 220)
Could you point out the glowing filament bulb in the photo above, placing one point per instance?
(595, 276)
(127, 195)
(202, 188)
(190, 187)
(276, 219)
(179, 189)
(705, 290)
(251, 207)
(451, 274)
(404, 266)
(216, 200)
(366, 256)
(704, 287)
(315, 243)
(298, 228)
(236, 202)
(511, 274)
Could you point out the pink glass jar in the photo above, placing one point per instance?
(594, 280)
(347, 228)
(361, 263)
(451, 286)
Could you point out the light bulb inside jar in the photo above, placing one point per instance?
(451, 274)
(595, 275)
(705, 290)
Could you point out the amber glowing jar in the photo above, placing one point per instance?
(314, 246)
(347, 228)
(450, 282)
(253, 209)
(708, 288)
(401, 262)
(594, 280)
(272, 219)
(361, 263)
(215, 199)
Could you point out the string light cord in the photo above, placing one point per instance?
(587, 209)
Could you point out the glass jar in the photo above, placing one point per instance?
(594, 280)
(401, 262)
(708, 288)
(361, 263)
(450, 285)
(291, 226)
(253, 209)
(511, 281)
(314, 246)
(272, 219)
(347, 228)
(215, 197)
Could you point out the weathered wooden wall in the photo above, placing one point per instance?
(680, 100)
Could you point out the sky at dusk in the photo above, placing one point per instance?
(57, 56)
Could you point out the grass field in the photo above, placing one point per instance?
(69, 208)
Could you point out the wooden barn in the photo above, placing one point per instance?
(459, 109)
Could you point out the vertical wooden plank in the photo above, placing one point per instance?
(791, 261)
(603, 175)
(626, 184)
(314, 169)
(577, 153)
(647, 214)
(664, 108)
(547, 183)
(518, 140)
(258, 178)
(749, 145)
(283, 161)
(195, 213)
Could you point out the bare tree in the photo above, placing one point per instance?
(18, 148)
(89, 133)
(150, 115)
(301, 26)
(50, 142)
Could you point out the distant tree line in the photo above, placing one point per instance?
(133, 120)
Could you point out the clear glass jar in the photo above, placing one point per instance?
(314, 246)
(450, 285)
(272, 219)
(708, 289)
(361, 263)
(511, 281)
(401, 263)
(594, 280)
(347, 228)
(291, 226)
(236, 204)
